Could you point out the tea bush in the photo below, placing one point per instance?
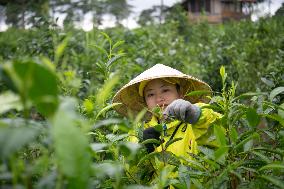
(58, 130)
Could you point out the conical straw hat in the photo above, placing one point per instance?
(129, 96)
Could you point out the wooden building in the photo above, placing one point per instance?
(216, 11)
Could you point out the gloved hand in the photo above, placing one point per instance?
(183, 111)
(150, 133)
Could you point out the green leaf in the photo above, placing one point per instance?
(72, 151)
(114, 59)
(35, 84)
(13, 139)
(105, 122)
(129, 149)
(60, 49)
(220, 135)
(198, 93)
(101, 170)
(223, 73)
(281, 111)
(88, 105)
(272, 166)
(102, 50)
(233, 135)
(133, 186)
(147, 157)
(153, 141)
(98, 146)
(275, 92)
(9, 101)
(105, 91)
(273, 180)
(249, 94)
(245, 140)
(248, 145)
(267, 82)
(117, 44)
(105, 109)
(276, 118)
(114, 138)
(107, 37)
(221, 153)
(184, 177)
(252, 117)
(171, 142)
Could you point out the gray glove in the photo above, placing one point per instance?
(183, 111)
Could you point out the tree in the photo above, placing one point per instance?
(280, 11)
(20, 13)
(156, 14)
(120, 9)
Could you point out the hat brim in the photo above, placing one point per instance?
(132, 102)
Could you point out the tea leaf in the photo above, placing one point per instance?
(13, 139)
(221, 138)
(9, 101)
(252, 117)
(275, 92)
(147, 157)
(245, 140)
(105, 109)
(60, 49)
(152, 141)
(273, 180)
(71, 146)
(88, 105)
(223, 73)
(198, 93)
(117, 44)
(281, 111)
(105, 91)
(276, 117)
(249, 94)
(35, 83)
(98, 146)
(105, 122)
(102, 50)
(272, 166)
(111, 169)
(171, 142)
(114, 59)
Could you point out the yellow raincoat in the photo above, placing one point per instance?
(193, 135)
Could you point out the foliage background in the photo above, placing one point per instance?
(58, 129)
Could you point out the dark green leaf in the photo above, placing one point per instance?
(273, 180)
(171, 142)
(252, 117)
(273, 166)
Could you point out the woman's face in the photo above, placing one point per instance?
(160, 93)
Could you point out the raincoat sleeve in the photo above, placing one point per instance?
(204, 127)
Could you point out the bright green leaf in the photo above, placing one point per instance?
(105, 109)
(71, 146)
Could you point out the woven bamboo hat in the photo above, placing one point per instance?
(131, 100)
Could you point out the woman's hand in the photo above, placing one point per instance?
(150, 133)
(183, 110)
